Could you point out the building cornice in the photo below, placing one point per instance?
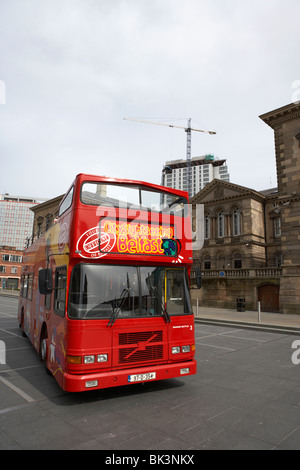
(49, 203)
(280, 115)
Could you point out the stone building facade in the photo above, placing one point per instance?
(252, 239)
(285, 122)
(44, 216)
(241, 256)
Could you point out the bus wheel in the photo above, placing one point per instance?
(44, 348)
(22, 324)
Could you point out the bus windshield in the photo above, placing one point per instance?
(105, 291)
(133, 197)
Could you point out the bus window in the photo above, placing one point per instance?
(67, 202)
(30, 282)
(48, 301)
(25, 286)
(127, 291)
(178, 302)
(22, 286)
(60, 290)
(109, 194)
(132, 197)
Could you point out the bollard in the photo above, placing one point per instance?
(258, 305)
(197, 311)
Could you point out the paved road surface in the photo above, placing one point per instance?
(244, 396)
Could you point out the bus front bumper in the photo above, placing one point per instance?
(100, 380)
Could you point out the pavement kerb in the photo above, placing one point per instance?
(249, 325)
(283, 323)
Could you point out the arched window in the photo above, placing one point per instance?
(277, 227)
(207, 226)
(221, 224)
(236, 223)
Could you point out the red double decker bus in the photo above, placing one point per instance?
(104, 293)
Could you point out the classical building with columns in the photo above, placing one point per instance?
(252, 238)
(241, 256)
(285, 122)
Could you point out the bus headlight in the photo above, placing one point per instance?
(88, 359)
(186, 349)
(102, 358)
(176, 350)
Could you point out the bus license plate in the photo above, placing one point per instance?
(141, 377)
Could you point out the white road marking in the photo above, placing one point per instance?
(17, 390)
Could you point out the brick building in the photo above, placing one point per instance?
(10, 267)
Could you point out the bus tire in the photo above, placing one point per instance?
(44, 347)
(21, 325)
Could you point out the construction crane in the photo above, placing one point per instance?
(188, 131)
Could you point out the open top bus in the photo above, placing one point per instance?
(105, 291)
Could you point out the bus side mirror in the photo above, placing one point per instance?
(45, 281)
(198, 277)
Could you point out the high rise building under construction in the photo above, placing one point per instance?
(202, 171)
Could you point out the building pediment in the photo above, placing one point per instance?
(218, 190)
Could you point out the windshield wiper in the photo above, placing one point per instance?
(116, 311)
(119, 307)
(165, 313)
(161, 303)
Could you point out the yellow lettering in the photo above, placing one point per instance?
(138, 238)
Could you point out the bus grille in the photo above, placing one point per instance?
(140, 346)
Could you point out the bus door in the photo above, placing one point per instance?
(56, 334)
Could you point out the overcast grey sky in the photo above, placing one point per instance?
(71, 70)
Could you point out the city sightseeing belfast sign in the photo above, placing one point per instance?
(142, 239)
(116, 234)
(116, 237)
